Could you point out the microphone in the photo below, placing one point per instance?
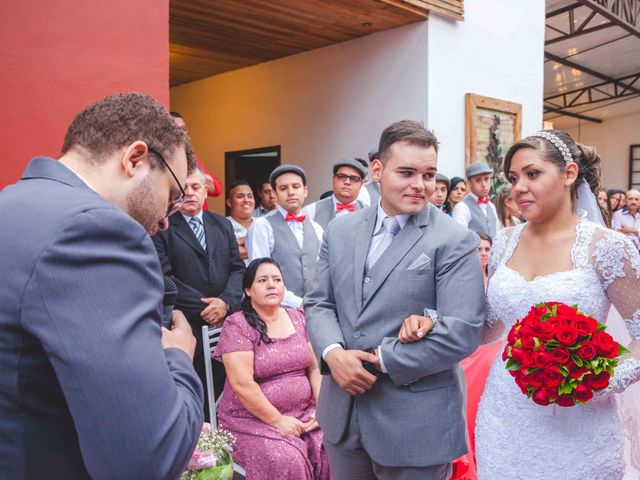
(169, 300)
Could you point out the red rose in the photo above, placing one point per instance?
(587, 350)
(565, 400)
(552, 377)
(522, 383)
(528, 357)
(598, 382)
(548, 329)
(567, 335)
(585, 325)
(583, 392)
(563, 309)
(541, 397)
(560, 355)
(605, 344)
(542, 358)
(516, 355)
(541, 310)
(513, 336)
(527, 340)
(551, 391)
(575, 371)
(505, 353)
(535, 379)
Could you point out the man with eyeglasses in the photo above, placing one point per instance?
(348, 178)
(200, 253)
(92, 386)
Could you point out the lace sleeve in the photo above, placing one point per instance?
(617, 262)
(498, 249)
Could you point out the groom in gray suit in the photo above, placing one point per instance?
(392, 410)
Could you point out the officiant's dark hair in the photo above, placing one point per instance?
(410, 131)
(246, 306)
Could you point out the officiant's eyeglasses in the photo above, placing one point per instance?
(175, 205)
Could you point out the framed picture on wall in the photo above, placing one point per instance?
(492, 126)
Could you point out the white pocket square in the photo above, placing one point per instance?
(420, 263)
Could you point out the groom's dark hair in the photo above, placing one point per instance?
(408, 131)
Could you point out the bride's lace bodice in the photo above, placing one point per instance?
(606, 269)
(517, 438)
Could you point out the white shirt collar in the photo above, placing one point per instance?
(336, 202)
(402, 219)
(84, 180)
(189, 217)
(283, 212)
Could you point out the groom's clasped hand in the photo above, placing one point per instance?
(348, 371)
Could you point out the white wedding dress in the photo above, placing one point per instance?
(518, 439)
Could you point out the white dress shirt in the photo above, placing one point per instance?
(623, 217)
(197, 215)
(462, 214)
(310, 210)
(239, 231)
(259, 243)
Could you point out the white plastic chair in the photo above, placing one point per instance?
(210, 337)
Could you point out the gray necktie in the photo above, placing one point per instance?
(390, 227)
(196, 225)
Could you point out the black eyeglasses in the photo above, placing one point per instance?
(173, 206)
(353, 178)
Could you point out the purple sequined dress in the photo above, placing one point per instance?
(280, 370)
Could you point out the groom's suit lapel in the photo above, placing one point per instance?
(403, 242)
(364, 231)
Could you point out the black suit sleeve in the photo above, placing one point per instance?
(232, 294)
(188, 296)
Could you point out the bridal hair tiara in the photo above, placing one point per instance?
(559, 144)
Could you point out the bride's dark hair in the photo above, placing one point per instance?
(246, 306)
(585, 157)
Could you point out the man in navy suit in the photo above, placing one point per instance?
(200, 253)
(91, 386)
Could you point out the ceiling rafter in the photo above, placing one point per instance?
(590, 71)
(568, 28)
(619, 88)
(624, 13)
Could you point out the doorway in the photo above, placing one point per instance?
(253, 165)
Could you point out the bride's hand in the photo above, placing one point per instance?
(414, 328)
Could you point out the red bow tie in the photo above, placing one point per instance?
(342, 206)
(296, 218)
(482, 200)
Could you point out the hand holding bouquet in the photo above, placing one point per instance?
(559, 355)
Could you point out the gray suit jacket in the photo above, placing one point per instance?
(415, 414)
(86, 390)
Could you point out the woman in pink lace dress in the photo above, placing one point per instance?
(272, 380)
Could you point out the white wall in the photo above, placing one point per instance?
(612, 139)
(497, 51)
(319, 106)
(335, 101)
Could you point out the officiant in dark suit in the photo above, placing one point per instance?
(200, 253)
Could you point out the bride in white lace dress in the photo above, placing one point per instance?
(561, 256)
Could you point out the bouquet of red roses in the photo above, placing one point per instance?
(560, 355)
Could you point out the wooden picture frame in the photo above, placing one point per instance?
(506, 120)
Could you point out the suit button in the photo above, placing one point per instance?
(356, 335)
(367, 279)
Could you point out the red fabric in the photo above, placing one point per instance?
(341, 206)
(217, 184)
(296, 218)
(482, 200)
(476, 368)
